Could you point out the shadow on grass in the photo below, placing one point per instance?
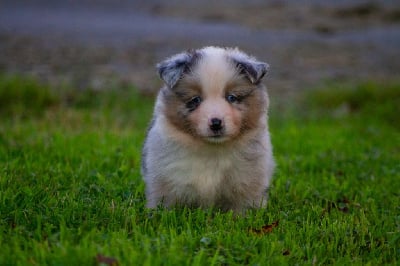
(25, 97)
(372, 101)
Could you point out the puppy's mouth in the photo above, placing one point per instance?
(216, 138)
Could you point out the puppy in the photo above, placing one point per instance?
(208, 144)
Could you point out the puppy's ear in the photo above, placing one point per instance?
(172, 69)
(252, 69)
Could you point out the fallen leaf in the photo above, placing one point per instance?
(100, 259)
(286, 252)
(13, 225)
(344, 200)
(265, 229)
(340, 205)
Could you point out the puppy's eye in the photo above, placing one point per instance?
(232, 98)
(193, 103)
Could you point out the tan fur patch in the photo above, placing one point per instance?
(213, 79)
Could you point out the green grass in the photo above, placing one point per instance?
(71, 191)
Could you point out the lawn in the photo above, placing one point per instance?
(71, 191)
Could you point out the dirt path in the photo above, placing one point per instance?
(96, 45)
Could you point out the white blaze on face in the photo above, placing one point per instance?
(214, 72)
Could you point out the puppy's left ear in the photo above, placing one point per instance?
(172, 69)
(252, 69)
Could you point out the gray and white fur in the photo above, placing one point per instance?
(208, 144)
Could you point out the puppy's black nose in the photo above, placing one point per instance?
(215, 124)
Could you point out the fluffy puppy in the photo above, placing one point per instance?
(208, 144)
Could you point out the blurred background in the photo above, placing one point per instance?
(99, 44)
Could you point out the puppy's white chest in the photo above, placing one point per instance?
(202, 173)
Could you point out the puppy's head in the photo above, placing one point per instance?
(214, 94)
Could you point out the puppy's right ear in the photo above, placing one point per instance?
(172, 69)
